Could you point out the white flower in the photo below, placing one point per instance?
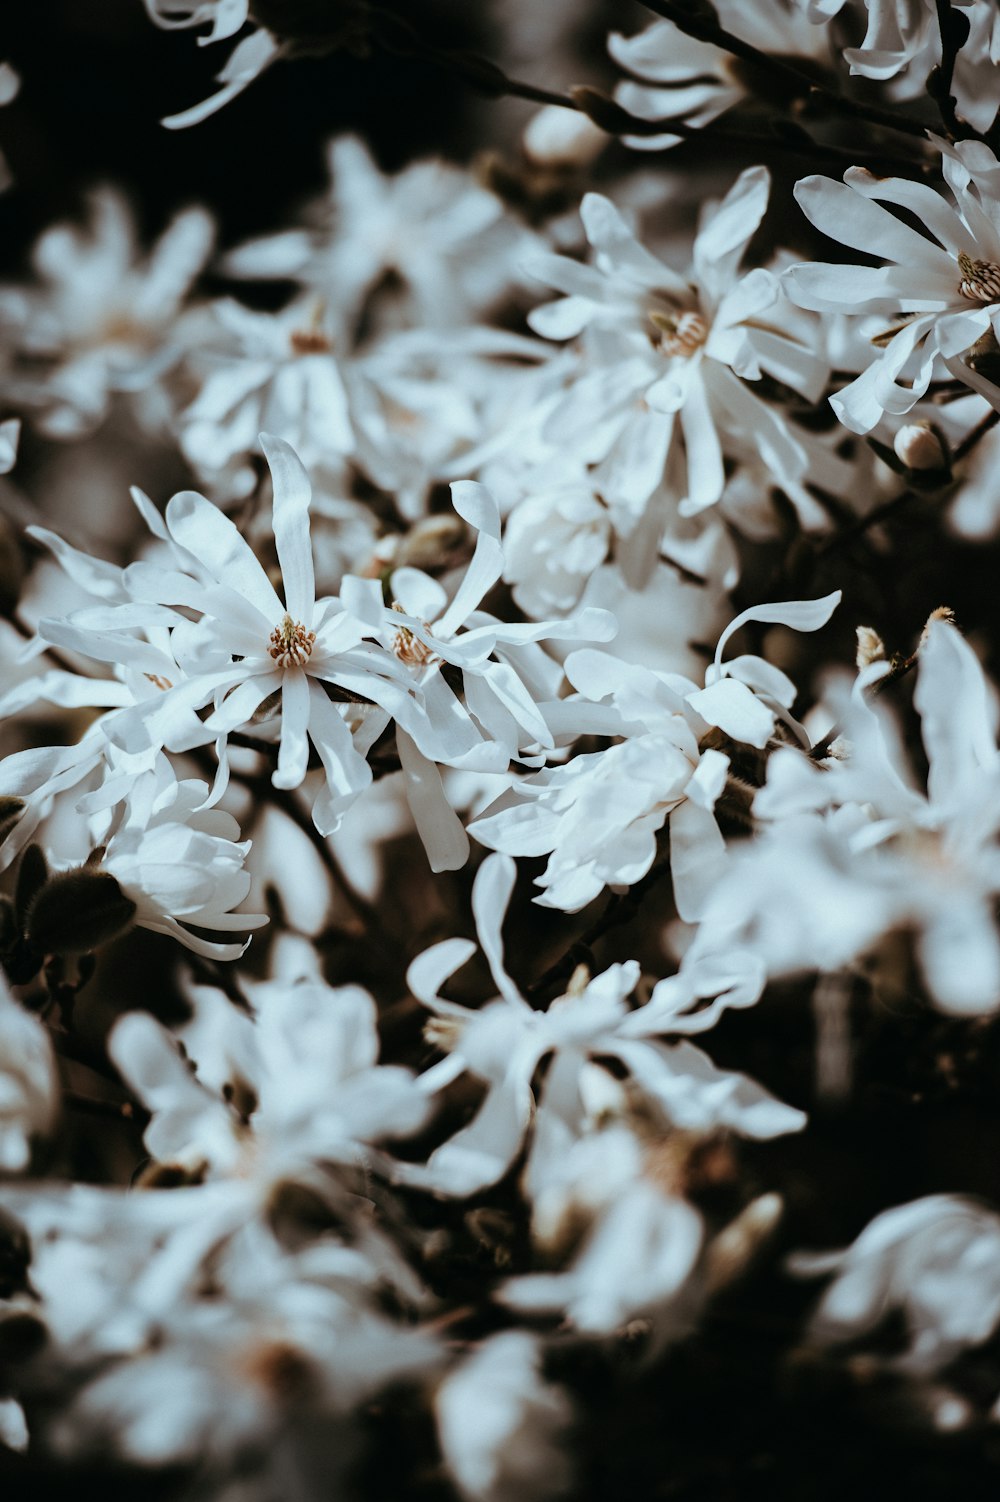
(856, 851)
(662, 352)
(248, 59)
(283, 1345)
(503, 1043)
(903, 42)
(105, 322)
(500, 1425)
(505, 675)
(181, 863)
(939, 291)
(681, 78)
(282, 377)
(638, 1261)
(248, 647)
(553, 542)
(272, 1096)
(29, 1089)
(936, 1261)
(598, 816)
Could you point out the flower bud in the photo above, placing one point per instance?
(77, 911)
(871, 647)
(919, 447)
(558, 137)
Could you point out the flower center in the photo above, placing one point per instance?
(309, 342)
(680, 335)
(409, 648)
(291, 644)
(980, 279)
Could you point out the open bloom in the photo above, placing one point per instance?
(855, 850)
(598, 816)
(430, 242)
(507, 680)
(939, 292)
(29, 1087)
(678, 77)
(270, 1096)
(903, 42)
(248, 647)
(503, 1043)
(668, 361)
(104, 321)
(935, 1261)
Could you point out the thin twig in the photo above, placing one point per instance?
(619, 910)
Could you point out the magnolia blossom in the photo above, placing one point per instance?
(104, 322)
(282, 377)
(938, 294)
(553, 543)
(503, 1043)
(665, 357)
(248, 646)
(903, 42)
(597, 817)
(508, 682)
(429, 241)
(270, 1096)
(681, 78)
(936, 1261)
(855, 850)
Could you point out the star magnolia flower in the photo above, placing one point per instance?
(857, 851)
(500, 1425)
(505, 675)
(283, 379)
(434, 237)
(681, 78)
(272, 1096)
(248, 646)
(247, 61)
(283, 1342)
(939, 291)
(904, 38)
(503, 1043)
(553, 542)
(104, 322)
(598, 816)
(661, 351)
(936, 1261)
(181, 863)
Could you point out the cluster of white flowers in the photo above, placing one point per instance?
(448, 636)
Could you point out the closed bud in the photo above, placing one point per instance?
(871, 647)
(77, 911)
(918, 446)
(558, 137)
